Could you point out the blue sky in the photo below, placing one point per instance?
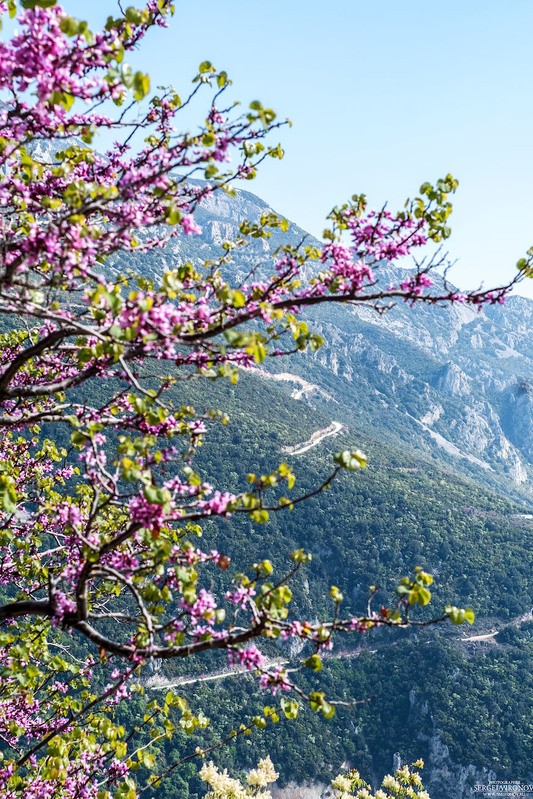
(382, 96)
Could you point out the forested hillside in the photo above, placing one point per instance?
(259, 493)
(454, 501)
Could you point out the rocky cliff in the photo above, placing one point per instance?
(450, 381)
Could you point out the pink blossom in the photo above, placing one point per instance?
(218, 504)
(241, 595)
(275, 680)
(190, 227)
(70, 514)
(250, 658)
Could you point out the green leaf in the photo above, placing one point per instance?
(37, 3)
(127, 76)
(79, 439)
(290, 707)
(222, 79)
(301, 556)
(459, 615)
(155, 495)
(316, 699)
(314, 662)
(134, 15)
(141, 85)
(260, 516)
(423, 596)
(173, 215)
(351, 460)
(8, 493)
(525, 266)
(237, 299)
(327, 710)
(335, 594)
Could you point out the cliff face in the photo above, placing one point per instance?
(416, 376)
(447, 779)
(469, 364)
(519, 416)
(451, 379)
(313, 790)
(443, 777)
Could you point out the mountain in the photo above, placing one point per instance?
(451, 382)
(441, 399)
(442, 402)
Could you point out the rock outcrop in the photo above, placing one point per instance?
(520, 416)
(452, 380)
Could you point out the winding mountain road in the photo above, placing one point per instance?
(316, 438)
(489, 636)
(156, 683)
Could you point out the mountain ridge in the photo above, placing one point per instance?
(454, 370)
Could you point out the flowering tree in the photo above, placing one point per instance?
(99, 536)
(405, 783)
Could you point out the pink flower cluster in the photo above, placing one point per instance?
(63, 606)
(202, 607)
(218, 504)
(241, 595)
(275, 680)
(249, 658)
(70, 514)
(149, 515)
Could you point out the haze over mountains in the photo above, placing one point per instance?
(451, 382)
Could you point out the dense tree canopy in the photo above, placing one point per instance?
(103, 566)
